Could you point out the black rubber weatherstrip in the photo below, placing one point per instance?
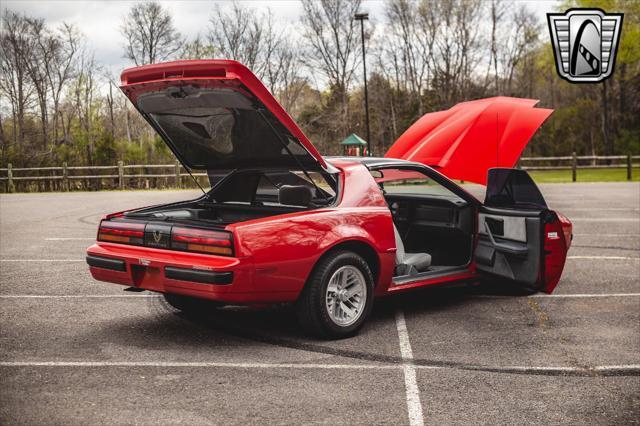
(198, 275)
(106, 263)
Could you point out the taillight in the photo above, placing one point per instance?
(200, 240)
(121, 232)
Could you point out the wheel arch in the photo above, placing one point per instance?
(361, 248)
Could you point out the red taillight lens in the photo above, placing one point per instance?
(121, 232)
(200, 240)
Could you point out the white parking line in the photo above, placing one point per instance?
(414, 406)
(604, 219)
(195, 364)
(70, 239)
(602, 258)
(606, 235)
(558, 296)
(551, 296)
(590, 209)
(42, 260)
(568, 257)
(417, 418)
(142, 296)
(76, 296)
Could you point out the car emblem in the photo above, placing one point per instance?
(585, 43)
(157, 236)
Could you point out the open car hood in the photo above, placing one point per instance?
(217, 115)
(465, 141)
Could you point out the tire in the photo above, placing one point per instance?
(188, 304)
(325, 313)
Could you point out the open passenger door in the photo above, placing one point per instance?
(520, 239)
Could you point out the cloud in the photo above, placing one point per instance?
(100, 21)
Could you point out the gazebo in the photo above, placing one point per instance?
(354, 145)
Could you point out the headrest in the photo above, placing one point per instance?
(294, 195)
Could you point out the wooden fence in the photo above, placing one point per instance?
(575, 162)
(121, 176)
(88, 178)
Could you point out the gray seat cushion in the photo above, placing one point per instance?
(421, 261)
(409, 263)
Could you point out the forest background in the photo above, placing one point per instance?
(60, 104)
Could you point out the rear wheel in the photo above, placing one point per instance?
(338, 296)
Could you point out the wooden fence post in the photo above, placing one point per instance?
(574, 167)
(10, 186)
(120, 174)
(65, 177)
(629, 167)
(178, 177)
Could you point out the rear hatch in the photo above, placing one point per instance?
(216, 115)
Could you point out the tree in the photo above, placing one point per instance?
(149, 34)
(62, 67)
(198, 49)
(454, 63)
(242, 34)
(14, 82)
(409, 45)
(333, 45)
(239, 34)
(41, 47)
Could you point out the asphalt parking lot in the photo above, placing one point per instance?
(76, 351)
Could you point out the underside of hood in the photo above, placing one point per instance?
(465, 141)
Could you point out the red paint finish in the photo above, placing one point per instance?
(464, 142)
(558, 236)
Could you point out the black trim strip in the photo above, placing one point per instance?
(106, 263)
(197, 275)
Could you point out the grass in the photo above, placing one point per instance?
(585, 175)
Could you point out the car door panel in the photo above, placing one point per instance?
(516, 254)
(519, 238)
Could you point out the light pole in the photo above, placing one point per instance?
(361, 17)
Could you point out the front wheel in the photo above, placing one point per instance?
(338, 296)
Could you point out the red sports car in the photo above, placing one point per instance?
(281, 223)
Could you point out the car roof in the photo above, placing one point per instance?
(374, 162)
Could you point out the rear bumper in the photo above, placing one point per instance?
(220, 278)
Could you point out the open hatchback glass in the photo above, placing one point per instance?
(216, 115)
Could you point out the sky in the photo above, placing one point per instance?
(100, 21)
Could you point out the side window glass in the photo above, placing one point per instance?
(270, 182)
(401, 181)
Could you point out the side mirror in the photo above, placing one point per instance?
(377, 174)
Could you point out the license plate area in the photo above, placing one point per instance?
(157, 235)
(148, 277)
